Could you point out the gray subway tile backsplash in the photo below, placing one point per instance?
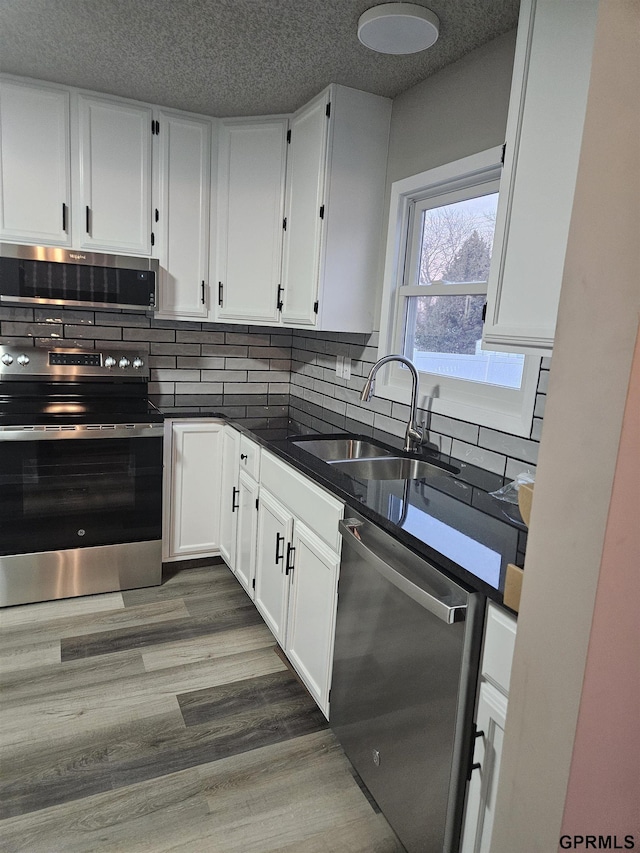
(193, 364)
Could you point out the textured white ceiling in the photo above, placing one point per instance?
(227, 57)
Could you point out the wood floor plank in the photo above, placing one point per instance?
(219, 645)
(216, 807)
(247, 715)
(107, 620)
(77, 766)
(105, 642)
(136, 819)
(35, 683)
(22, 614)
(87, 707)
(27, 655)
(190, 582)
(292, 796)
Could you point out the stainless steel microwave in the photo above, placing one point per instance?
(35, 275)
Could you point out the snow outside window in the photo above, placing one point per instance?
(441, 228)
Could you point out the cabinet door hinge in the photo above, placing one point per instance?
(328, 110)
(316, 305)
(220, 293)
(288, 137)
(322, 211)
(504, 148)
(484, 312)
(153, 239)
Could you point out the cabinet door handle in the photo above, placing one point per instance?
(289, 567)
(203, 297)
(234, 494)
(279, 302)
(64, 216)
(243, 456)
(88, 218)
(279, 539)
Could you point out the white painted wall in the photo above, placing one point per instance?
(457, 112)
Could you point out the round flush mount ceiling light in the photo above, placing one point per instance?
(398, 28)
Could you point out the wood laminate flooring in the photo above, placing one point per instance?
(165, 719)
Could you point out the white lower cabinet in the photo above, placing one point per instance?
(275, 526)
(313, 569)
(297, 565)
(247, 532)
(491, 712)
(229, 495)
(239, 509)
(193, 461)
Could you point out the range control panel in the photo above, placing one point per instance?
(70, 364)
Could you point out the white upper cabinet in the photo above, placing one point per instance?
(250, 203)
(35, 180)
(305, 212)
(181, 214)
(115, 176)
(544, 135)
(336, 171)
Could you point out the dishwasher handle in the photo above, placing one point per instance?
(445, 612)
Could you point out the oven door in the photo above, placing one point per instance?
(78, 487)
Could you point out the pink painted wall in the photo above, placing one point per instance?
(603, 796)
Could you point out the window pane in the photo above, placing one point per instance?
(443, 336)
(456, 241)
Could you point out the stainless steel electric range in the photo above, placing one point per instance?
(80, 474)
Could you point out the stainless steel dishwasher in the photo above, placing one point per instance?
(404, 674)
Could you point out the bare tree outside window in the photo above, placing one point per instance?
(443, 331)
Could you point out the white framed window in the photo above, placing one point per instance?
(438, 257)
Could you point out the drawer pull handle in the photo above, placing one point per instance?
(234, 494)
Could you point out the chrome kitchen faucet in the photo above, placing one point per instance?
(414, 435)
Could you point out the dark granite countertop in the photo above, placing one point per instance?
(447, 517)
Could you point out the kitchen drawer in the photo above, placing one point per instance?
(499, 642)
(320, 511)
(249, 457)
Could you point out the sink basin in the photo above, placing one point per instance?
(365, 460)
(388, 468)
(334, 450)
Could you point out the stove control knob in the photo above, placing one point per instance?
(7, 359)
(23, 360)
(109, 361)
(124, 362)
(138, 363)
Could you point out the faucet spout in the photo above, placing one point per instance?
(414, 435)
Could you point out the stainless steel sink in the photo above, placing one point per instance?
(367, 461)
(335, 450)
(389, 468)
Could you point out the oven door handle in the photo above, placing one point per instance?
(51, 433)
